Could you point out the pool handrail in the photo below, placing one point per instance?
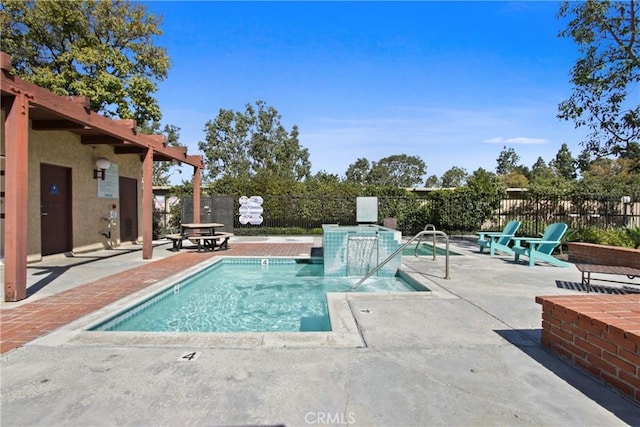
(401, 248)
(428, 227)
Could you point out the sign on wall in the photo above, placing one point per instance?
(109, 187)
(251, 210)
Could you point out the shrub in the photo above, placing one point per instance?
(634, 235)
(604, 236)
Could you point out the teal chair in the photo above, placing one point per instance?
(498, 241)
(540, 249)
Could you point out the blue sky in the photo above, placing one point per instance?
(450, 82)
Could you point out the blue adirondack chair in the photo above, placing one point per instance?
(540, 249)
(498, 241)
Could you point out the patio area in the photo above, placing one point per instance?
(468, 355)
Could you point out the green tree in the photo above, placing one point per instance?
(509, 171)
(515, 179)
(243, 145)
(507, 161)
(398, 170)
(432, 182)
(484, 182)
(545, 181)
(564, 164)
(466, 208)
(454, 177)
(100, 49)
(358, 171)
(612, 176)
(326, 178)
(632, 158)
(583, 161)
(606, 76)
(540, 170)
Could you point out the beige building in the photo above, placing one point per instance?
(71, 180)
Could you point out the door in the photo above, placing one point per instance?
(55, 209)
(128, 209)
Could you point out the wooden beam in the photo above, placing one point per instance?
(157, 138)
(128, 149)
(157, 157)
(129, 123)
(100, 140)
(85, 101)
(196, 160)
(55, 125)
(16, 197)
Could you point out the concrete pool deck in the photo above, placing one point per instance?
(468, 355)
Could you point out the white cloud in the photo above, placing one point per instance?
(496, 140)
(516, 140)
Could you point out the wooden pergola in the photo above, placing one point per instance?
(23, 102)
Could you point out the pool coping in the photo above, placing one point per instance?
(344, 328)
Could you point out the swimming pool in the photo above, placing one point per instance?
(426, 249)
(247, 295)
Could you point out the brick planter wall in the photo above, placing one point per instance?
(600, 333)
(589, 253)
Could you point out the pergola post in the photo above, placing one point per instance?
(147, 204)
(16, 197)
(196, 194)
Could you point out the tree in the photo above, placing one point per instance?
(540, 171)
(608, 36)
(100, 49)
(243, 145)
(583, 161)
(613, 176)
(432, 182)
(397, 170)
(454, 177)
(564, 163)
(484, 182)
(358, 171)
(515, 179)
(507, 161)
(466, 208)
(632, 157)
(546, 181)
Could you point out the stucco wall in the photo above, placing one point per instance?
(63, 148)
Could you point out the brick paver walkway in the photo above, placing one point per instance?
(29, 321)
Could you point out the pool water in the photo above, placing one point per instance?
(246, 295)
(425, 249)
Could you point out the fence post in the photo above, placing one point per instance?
(537, 216)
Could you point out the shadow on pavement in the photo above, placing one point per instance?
(527, 340)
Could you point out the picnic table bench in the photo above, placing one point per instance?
(587, 269)
(176, 239)
(210, 242)
(204, 242)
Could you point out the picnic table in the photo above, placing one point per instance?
(201, 229)
(204, 234)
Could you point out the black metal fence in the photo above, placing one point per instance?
(536, 212)
(454, 215)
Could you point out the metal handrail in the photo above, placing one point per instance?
(428, 227)
(401, 248)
